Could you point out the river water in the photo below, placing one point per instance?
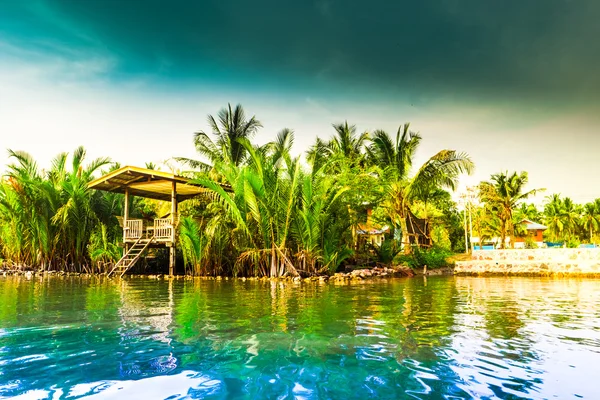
(419, 338)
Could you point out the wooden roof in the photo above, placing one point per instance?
(147, 183)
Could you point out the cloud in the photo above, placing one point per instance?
(537, 52)
(512, 83)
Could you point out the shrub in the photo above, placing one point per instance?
(530, 243)
(434, 257)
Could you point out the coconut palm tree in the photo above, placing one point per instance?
(562, 216)
(346, 146)
(229, 128)
(394, 158)
(527, 211)
(554, 216)
(261, 205)
(503, 194)
(591, 217)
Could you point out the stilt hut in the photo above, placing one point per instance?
(138, 235)
(418, 230)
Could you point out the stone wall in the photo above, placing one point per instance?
(532, 262)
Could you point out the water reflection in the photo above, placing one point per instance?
(413, 338)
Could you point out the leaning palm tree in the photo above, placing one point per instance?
(503, 195)
(229, 128)
(394, 157)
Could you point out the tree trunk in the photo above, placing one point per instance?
(273, 262)
(502, 234)
(405, 238)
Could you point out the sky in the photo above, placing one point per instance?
(514, 84)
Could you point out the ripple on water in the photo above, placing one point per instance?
(437, 338)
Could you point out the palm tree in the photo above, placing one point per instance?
(553, 216)
(503, 194)
(394, 157)
(345, 146)
(229, 128)
(261, 205)
(591, 217)
(572, 216)
(528, 211)
(49, 216)
(76, 217)
(562, 216)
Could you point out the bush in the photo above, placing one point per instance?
(573, 243)
(434, 257)
(387, 251)
(530, 243)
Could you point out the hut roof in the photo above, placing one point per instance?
(148, 183)
(530, 225)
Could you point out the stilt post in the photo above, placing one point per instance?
(125, 218)
(173, 221)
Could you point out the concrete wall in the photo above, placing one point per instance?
(532, 262)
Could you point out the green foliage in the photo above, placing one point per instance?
(192, 244)
(530, 243)
(265, 214)
(502, 196)
(48, 217)
(433, 258)
(573, 242)
(388, 250)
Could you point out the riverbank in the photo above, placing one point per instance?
(354, 275)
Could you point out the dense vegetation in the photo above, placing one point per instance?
(503, 206)
(284, 214)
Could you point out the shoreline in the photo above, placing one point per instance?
(357, 275)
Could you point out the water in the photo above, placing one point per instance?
(442, 338)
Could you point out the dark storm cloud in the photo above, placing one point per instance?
(529, 50)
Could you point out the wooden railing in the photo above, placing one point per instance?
(134, 229)
(163, 229)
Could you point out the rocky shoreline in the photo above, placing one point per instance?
(354, 275)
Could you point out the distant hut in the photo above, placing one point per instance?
(418, 230)
(535, 233)
(369, 233)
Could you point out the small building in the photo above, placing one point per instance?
(418, 231)
(368, 233)
(535, 233)
(140, 235)
(373, 235)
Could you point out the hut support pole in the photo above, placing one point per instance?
(173, 221)
(125, 218)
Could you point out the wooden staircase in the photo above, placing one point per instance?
(132, 256)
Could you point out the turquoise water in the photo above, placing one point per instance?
(434, 338)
